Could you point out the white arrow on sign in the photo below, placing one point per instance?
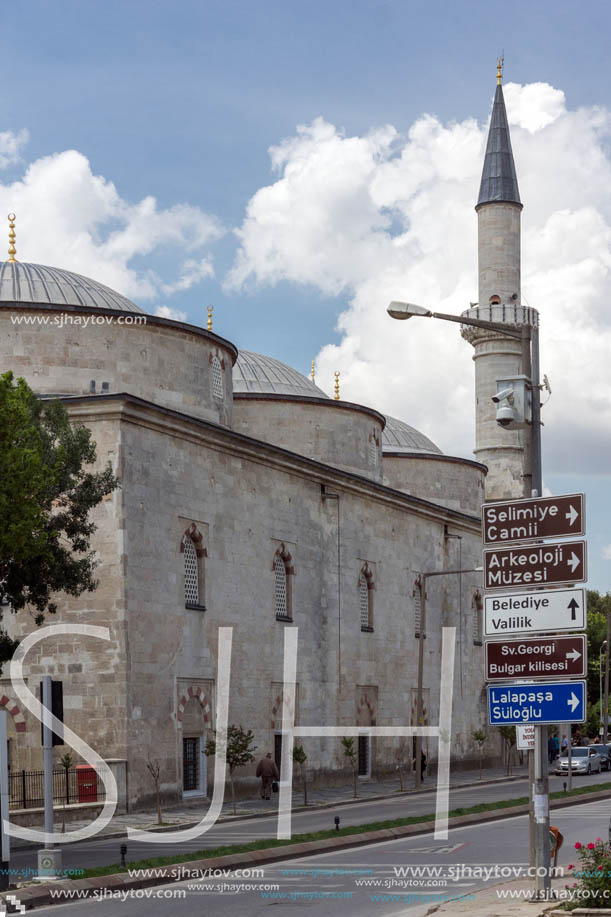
(573, 702)
(572, 515)
(574, 561)
(574, 655)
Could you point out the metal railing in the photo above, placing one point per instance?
(26, 788)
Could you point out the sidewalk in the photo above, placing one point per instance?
(489, 903)
(317, 798)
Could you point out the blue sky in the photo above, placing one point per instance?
(182, 101)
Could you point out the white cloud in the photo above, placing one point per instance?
(175, 314)
(606, 553)
(11, 143)
(385, 216)
(68, 217)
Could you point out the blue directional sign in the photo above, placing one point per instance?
(555, 702)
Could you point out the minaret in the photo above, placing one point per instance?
(506, 452)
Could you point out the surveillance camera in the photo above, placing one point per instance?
(505, 415)
(506, 394)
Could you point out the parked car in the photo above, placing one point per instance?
(605, 753)
(584, 760)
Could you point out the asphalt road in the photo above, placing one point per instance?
(103, 852)
(446, 868)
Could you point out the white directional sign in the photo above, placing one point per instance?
(526, 737)
(535, 612)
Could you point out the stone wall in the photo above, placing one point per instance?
(457, 483)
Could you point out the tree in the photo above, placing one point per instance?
(403, 757)
(154, 769)
(479, 736)
(350, 753)
(66, 762)
(300, 757)
(239, 751)
(508, 734)
(46, 496)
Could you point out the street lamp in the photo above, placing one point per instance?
(421, 584)
(600, 676)
(529, 337)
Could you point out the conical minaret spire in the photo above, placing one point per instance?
(499, 181)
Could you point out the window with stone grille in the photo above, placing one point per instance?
(191, 573)
(417, 609)
(280, 587)
(365, 587)
(283, 572)
(373, 450)
(477, 606)
(217, 377)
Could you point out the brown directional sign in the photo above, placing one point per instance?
(534, 565)
(533, 519)
(536, 657)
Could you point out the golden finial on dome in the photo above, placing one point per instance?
(210, 311)
(12, 251)
(499, 69)
(336, 374)
(313, 371)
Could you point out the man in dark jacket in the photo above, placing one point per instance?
(268, 772)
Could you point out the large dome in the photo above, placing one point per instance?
(398, 436)
(257, 374)
(50, 286)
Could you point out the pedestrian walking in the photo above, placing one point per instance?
(268, 772)
(565, 744)
(550, 749)
(422, 764)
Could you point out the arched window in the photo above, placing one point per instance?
(216, 367)
(191, 573)
(495, 300)
(373, 450)
(366, 586)
(283, 572)
(477, 605)
(193, 553)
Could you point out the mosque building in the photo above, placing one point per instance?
(251, 500)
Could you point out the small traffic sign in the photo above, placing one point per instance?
(535, 565)
(533, 519)
(536, 657)
(535, 612)
(556, 702)
(525, 737)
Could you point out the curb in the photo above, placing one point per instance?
(40, 895)
(228, 819)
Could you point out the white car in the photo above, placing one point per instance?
(584, 760)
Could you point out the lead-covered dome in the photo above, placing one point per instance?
(49, 286)
(398, 436)
(254, 373)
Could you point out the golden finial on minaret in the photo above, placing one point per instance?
(313, 371)
(210, 311)
(336, 374)
(499, 69)
(12, 251)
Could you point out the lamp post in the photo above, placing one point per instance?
(421, 584)
(600, 678)
(539, 786)
(606, 710)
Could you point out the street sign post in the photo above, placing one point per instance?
(534, 612)
(536, 657)
(539, 704)
(534, 565)
(533, 519)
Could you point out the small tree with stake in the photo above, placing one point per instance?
(300, 757)
(479, 736)
(239, 752)
(66, 762)
(154, 769)
(350, 753)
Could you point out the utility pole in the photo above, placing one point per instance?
(4, 800)
(421, 583)
(606, 710)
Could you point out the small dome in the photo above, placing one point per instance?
(50, 286)
(398, 436)
(258, 374)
